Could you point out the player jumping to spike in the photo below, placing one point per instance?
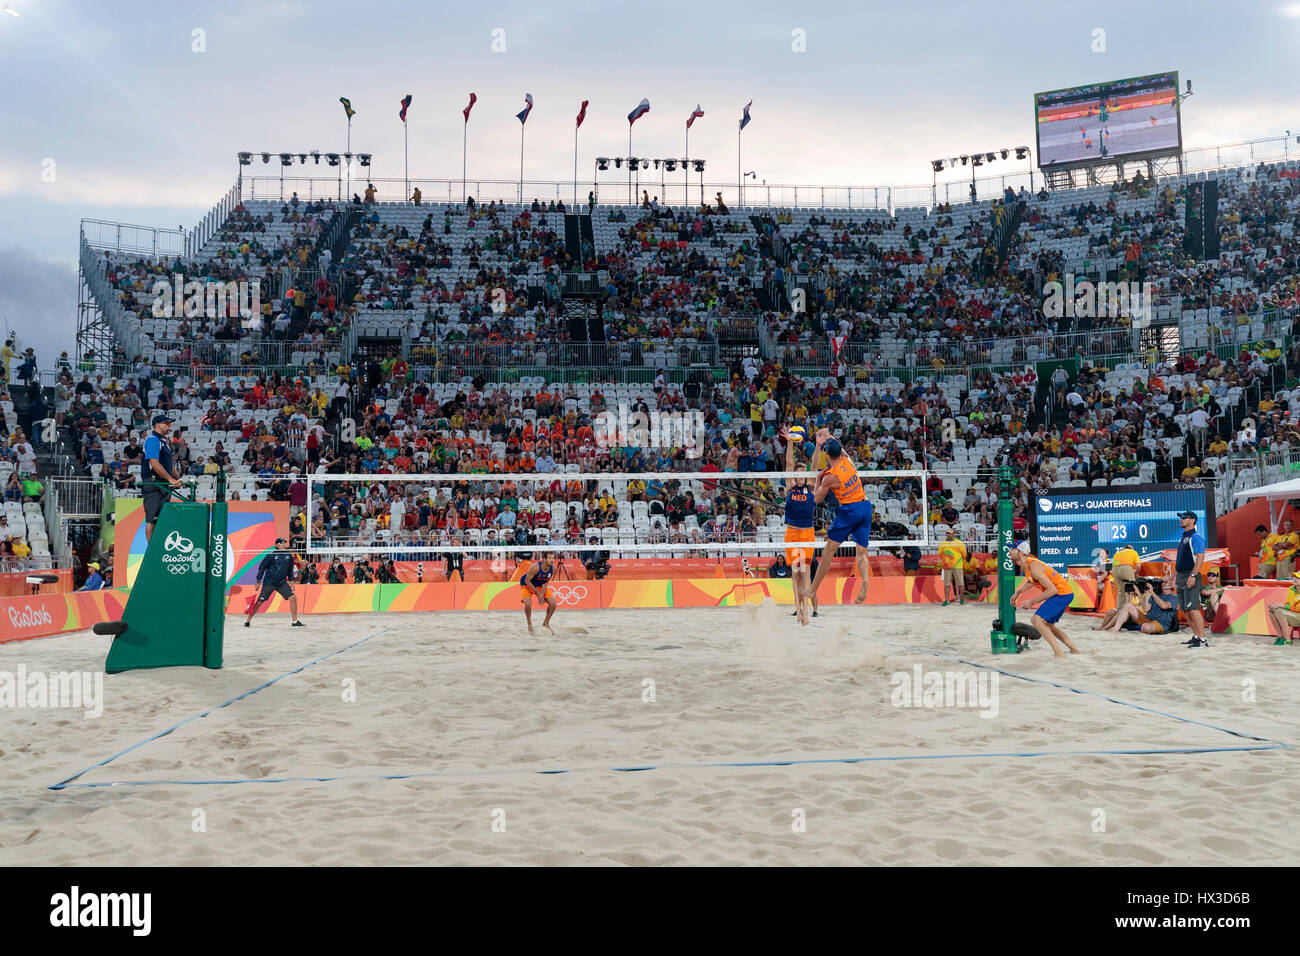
(535, 583)
(852, 517)
(799, 505)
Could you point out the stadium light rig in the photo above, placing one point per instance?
(245, 159)
(602, 162)
(365, 158)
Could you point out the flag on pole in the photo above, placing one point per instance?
(695, 115)
(473, 98)
(406, 104)
(582, 113)
(347, 106)
(641, 109)
(744, 120)
(522, 115)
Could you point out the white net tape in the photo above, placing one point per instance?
(676, 514)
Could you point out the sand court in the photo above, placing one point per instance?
(730, 735)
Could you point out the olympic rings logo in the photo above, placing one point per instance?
(567, 594)
(178, 568)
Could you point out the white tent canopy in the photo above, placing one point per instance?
(1279, 491)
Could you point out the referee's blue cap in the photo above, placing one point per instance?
(162, 420)
(833, 448)
(1187, 514)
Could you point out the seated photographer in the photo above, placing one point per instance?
(1146, 611)
(596, 563)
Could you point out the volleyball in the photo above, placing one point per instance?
(797, 434)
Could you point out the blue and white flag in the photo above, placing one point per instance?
(522, 115)
(641, 109)
(744, 120)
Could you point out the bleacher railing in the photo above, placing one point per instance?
(136, 240)
(211, 224)
(611, 187)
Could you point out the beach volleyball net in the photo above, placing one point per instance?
(584, 514)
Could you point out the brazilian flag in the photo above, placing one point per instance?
(347, 106)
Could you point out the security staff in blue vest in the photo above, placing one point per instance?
(1187, 574)
(157, 469)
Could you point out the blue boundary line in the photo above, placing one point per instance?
(1265, 743)
(1087, 693)
(248, 693)
(462, 774)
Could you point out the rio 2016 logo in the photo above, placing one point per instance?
(218, 555)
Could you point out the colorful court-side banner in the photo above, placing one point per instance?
(253, 527)
(43, 614)
(578, 595)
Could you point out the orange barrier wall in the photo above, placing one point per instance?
(24, 617)
(14, 584)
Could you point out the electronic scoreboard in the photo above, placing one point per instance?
(1070, 524)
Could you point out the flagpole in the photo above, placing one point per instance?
(348, 160)
(575, 170)
(740, 183)
(521, 163)
(630, 198)
(464, 142)
(406, 158)
(686, 170)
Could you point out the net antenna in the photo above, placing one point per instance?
(637, 534)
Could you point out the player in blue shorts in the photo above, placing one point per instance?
(852, 517)
(1057, 596)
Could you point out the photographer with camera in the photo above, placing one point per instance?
(596, 562)
(1145, 611)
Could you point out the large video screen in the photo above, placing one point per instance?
(1070, 524)
(1109, 121)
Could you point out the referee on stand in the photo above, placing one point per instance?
(157, 469)
(273, 573)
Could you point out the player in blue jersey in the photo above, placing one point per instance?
(799, 506)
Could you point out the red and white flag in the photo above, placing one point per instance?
(582, 114)
(473, 98)
(694, 115)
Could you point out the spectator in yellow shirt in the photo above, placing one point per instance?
(1123, 568)
(1285, 547)
(952, 558)
(1267, 559)
(1286, 616)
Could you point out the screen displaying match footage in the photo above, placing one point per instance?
(1108, 121)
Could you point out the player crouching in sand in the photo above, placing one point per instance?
(536, 583)
(1057, 595)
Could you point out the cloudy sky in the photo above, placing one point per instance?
(133, 111)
